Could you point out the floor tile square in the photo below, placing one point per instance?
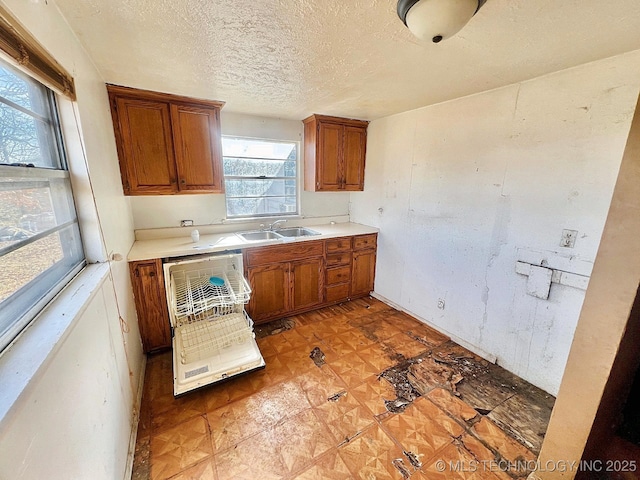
(404, 345)
(301, 439)
(345, 417)
(371, 456)
(483, 455)
(380, 356)
(422, 429)
(378, 329)
(328, 467)
(372, 394)
(254, 458)
(179, 447)
(202, 471)
(232, 423)
(178, 411)
(353, 369)
(231, 390)
(320, 384)
(454, 462)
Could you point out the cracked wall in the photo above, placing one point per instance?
(458, 188)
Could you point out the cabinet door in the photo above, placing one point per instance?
(355, 142)
(145, 146)
(329, 175)
(196, 134)
(307, 280)
(151, 304)
(270, 291)
(363, 273)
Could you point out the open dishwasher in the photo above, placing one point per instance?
(212, 335)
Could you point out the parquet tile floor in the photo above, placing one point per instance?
(298, 420)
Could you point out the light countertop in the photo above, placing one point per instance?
(211, 243)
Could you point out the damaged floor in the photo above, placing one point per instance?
(357, 390)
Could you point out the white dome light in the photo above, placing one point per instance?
(436, 20)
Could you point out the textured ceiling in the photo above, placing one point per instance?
(355, 58)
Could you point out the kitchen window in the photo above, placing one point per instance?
(40, 245)
(260, 177)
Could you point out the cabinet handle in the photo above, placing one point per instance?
(183, 181)
(152, 274)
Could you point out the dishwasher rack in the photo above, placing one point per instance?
(193, 293)
(205, 338)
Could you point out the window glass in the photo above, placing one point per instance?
(260, 177)
(40, 244)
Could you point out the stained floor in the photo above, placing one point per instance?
(357, 390)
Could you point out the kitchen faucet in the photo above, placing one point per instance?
(274, 225)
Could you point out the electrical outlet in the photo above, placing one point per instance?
(186, 223)
(441, 303)
(568, 239)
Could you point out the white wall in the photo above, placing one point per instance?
(88, 130)
(458, 188)
(74, 420)
(167, 211)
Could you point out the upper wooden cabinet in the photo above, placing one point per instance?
(334, 153)
(167, 144)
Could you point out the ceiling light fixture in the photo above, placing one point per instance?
(437, 20)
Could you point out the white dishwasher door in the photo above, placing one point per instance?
(213, 336)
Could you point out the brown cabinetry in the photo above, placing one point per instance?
(151, 304)
(284, 279)
(302, 276)
(338, 272)
(271, 290)
(351, 263)
(334, 150)
(167, 144)
(363, 265)
(363, 273)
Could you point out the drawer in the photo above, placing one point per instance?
(364, 241)
(283, 253)
(336, 293)
(338, 275)
(342, 244)
(338, 259)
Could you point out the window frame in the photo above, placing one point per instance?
(53, 280)
(297, 179)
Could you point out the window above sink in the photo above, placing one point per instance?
(261, 177)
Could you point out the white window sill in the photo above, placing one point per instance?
(24, 359)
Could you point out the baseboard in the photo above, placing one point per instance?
(134, 423)
(460, 341)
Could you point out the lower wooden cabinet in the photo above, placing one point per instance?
(270, 291)
(283, 281)
(363, 272)
(151, 304)
(293, 278)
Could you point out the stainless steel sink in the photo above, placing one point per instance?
(297, 232)
(259, 235)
